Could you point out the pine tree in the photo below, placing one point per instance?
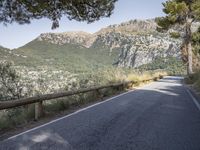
(183, 13)
(23, 11)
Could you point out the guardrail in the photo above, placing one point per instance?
(38, 100)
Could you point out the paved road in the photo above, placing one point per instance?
(160, 116)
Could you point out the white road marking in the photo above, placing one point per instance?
(78, 111)
(194, 99)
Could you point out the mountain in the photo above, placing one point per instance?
(138, 49)
(67, 56)
(132, 27)
(130, 44)
(5, 54)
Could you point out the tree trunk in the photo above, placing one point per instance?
(188, 41)
(189, 64)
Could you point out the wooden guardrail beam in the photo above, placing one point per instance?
(40, 98)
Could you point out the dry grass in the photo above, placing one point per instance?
(146, 76)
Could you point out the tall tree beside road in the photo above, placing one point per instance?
(183, 13)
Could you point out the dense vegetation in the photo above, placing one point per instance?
(69, 57)
(172, 65)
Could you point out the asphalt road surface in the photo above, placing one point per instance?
(160, 116)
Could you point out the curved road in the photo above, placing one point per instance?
(160, 116)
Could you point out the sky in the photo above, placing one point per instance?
(14, 35)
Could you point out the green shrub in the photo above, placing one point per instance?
(175, 35)
(172, 65)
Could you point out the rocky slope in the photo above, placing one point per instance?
(81, 38)
(137, 42)
(136, 50)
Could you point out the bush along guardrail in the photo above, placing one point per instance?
(38, 100)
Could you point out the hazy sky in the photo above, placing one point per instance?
(14, 35)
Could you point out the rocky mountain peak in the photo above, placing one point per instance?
(79, 37)
(136, 41)
(131, 27)
(86, 39)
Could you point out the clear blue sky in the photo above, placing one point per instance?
(14, 35)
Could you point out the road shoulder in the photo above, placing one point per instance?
(194, 94)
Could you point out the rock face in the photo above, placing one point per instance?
(137, 42)
(136, 50)
(81, 38)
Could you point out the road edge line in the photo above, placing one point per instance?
(69, 115)
(194, 99)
